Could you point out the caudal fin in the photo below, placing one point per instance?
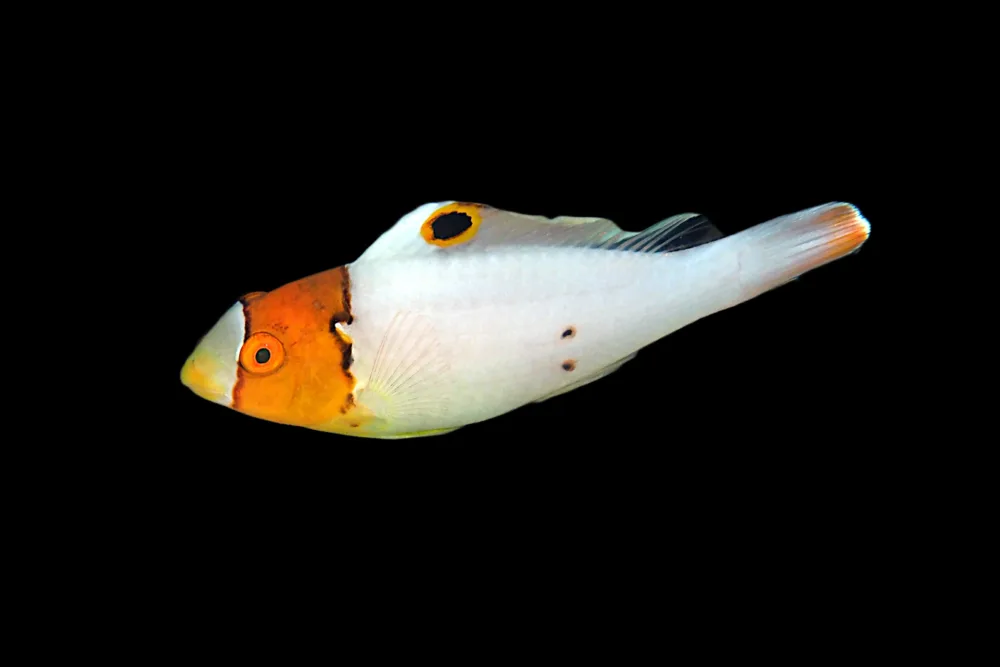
(782, 249)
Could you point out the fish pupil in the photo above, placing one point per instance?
(450, 225)
(263, 355)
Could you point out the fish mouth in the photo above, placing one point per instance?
(211, 370)
(207, 378)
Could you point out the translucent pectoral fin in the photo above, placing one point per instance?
(407, 374)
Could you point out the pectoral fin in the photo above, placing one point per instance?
(407, 373)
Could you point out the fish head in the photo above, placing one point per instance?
(281, 356)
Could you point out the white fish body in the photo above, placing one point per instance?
(448, 335)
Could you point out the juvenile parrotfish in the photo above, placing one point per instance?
(462, 312)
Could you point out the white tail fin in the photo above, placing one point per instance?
(782, 249)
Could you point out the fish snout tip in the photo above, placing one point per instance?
(189, 372)
(211, 369)
(206, 378)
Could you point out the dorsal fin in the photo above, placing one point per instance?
(461, 227)
(686, 230)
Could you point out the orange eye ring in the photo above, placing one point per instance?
(262, 354)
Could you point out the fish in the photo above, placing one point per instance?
(460, 312)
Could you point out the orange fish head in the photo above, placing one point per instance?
(282, 355)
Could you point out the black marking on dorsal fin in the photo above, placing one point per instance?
(451, 225)
(675, 233)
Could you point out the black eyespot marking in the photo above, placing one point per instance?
(569, 365)
(263, 355)
(450, 225)
(569, 333)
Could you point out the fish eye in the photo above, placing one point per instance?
(262, 354)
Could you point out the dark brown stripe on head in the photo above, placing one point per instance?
(344, 314)
(346, 288)
(246, 319)
(347, 317)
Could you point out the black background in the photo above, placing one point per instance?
(759, 425)
(761, 479)
(748, 456)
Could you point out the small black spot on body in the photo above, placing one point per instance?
(569, 332)
(263, 355)
(450, 225)
(569, 365)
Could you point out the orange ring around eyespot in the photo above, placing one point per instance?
(471, 210)
(262, 341)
